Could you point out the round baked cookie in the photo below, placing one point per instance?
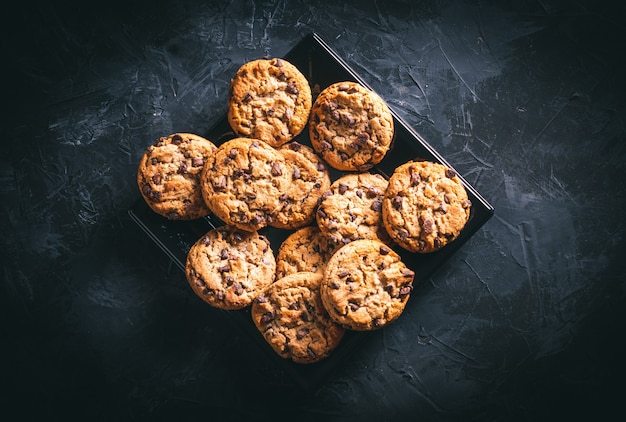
(351, 208)
(425, 206)
(169, 173)
(306, 249)
(309, 179)
(229, 267)
(269, 99)
(350, 126)
(243, 181)
(292, 319)
(366, 285)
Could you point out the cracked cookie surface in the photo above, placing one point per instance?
(292, 319)
(269, 99)
(366, 285)
(351, 208)
(309, 179)
(169, 174)
(306, 249)
(425, 207)
(350, 126)
(229, 267)
(242, 182)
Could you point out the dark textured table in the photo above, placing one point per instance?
(525, 321)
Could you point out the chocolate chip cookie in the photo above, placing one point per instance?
(350, 126)
(306, 249)
(351, 208)
(366, 285)
(292, 319)
(425, 207)
(229, 267)
(309, 179)
(270, 100)
(169, 173)
(243, 181)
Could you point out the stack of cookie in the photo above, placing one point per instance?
(337, 270)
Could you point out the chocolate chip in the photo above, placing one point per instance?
(321, 213)
(237, 237)
(197, 162)
(154, 161)
(310, 352)
(415, 177)
(347, 119)
(397, 202)
(183, 168)
(466, 203)
(232, 154)
(331, 106)
(267, 317)
(405, 290)
(247, 98)
(296, 173)
(278, 63)
(301, 333)
(427, 226)
(377, 322)
(220, 184)
(450, 173)
(359, 193)
(224, 254)
(294, 306)
(446, 198)
(334, 285)
(276, 169)
(403, 234)
(224, 268)
(353, 306)
(437, 243)
(335, 115)
(260, 299)
(156, 179)
(326, 146)
(177, 139)
(363, 137)
(295, 146)
(292, 88)
(282, 77)
(421, 244)
(384, 250)
(407, 273)
(343, 87)
(372, 192)
(343, 273)
(238, 289)
(343, 188)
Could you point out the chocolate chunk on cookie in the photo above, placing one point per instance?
(243, 181)
(351, 208)
(169, 174)
(270, 100)
(350, 126)
(229, 267)
(292, 319)
(425, 206)
(366, 285)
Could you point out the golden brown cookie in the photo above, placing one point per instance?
(243, 181)
(366, 285)
(269, 99)
(309, 180)
(351, 208)
(292, 319)
(229, 267)
(350, 126)
(169, 173)
(306, 249)
(425, 206)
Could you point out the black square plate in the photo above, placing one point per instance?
(322, 67)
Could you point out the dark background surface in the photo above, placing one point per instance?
(525, 322)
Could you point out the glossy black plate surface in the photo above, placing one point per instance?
(322, 67)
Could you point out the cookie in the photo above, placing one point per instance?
(292, 319)
(425, 207)
(269, 99)
(306, 249)
(228, 267)
(242, 182)
(169, 174)
(310, 178)
(350, 126)
(351, 208)
(366, 285)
